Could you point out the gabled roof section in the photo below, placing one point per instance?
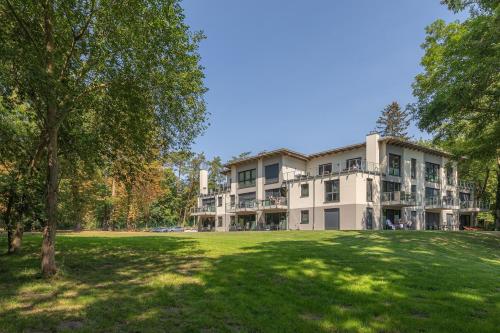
(337, 150)
(413, 145)
(281, 151)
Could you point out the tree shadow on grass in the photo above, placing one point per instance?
(359, 282)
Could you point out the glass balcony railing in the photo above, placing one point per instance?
(203, 209)
(399, 197)
(438, 202)
(471, 204)
(274, 202)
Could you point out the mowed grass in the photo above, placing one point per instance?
(256, 282)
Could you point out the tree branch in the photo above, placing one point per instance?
(23, 26)
(76, 38)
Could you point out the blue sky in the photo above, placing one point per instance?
(305, 75)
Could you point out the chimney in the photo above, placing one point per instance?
(203, 181)
(372, 149)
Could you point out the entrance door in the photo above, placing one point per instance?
(431, 221)
(369, 218)
(393, 215)
(464, 221)
(332, 219)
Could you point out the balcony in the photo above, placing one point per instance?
(204, 210)
(465, 185)
(398, 198)
(474, 206)
(274, 203)
(441, 203)
(246, 184)
(247, 206)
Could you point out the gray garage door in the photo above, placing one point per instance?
(332, 219)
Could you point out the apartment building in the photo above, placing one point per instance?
(381, 183)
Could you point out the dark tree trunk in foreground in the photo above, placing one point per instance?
(8, 222)
(497, 205)
(49, 232)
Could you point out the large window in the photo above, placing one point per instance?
(271, 173)
(246, 178)
(369, 189)
(325, 169)
(246, 199)
(332, 190)
(394, 165)
(304, 216)
(232, 200)
(431, 192)
(431, 172)
(413, 171)
(208, 202)
(464, 196)
(275, 193)
(353, 164)
(390, 186)
(219, 221)
(304, 190)
(219, 201)
(449, 175)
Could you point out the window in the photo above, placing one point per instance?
(464, 196)
(394, 165)
(369, 218)
(449, 220)
(232, 199)
(414, 191)
(369, 189)
(246, 178)
(388, 186)
(275, 193)
(219, 221)
(246, 200)
(353, 163)
(219, 201)
(208, 202)
(413, 171)
(431, 192)
(332, 190)
(431, 172)
(304, 190)
(304, 217)
(449, 175)
(325, 169)
(271, 173)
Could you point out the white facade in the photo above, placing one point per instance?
(380, 183)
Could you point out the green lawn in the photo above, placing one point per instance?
(256, 282)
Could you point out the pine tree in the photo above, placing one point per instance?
(393, 122)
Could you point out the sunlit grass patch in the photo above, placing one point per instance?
(256, 282)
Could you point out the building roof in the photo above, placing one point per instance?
(388, 139)
(413, 145)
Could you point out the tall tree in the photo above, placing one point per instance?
(393, 121)
(458, 93)
(132, 65)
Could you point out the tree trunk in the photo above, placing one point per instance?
(497, 205)
(17, 240)
(8, 222)
(49, 232)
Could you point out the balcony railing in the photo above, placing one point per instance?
(399, 197)
(465, 185)
(203, 209)
(432, 178)
(246, 184)
(247, 204)
(438, 202)
(471, 204)
(274, 202)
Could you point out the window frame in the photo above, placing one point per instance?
(391, 167)
(321, 169)
(335, 195)
(304, 212)
(369, 190)
(357, 163)
(249, 178)
(432, 171)
(274, 179)
(302, 186)
(413, 168)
